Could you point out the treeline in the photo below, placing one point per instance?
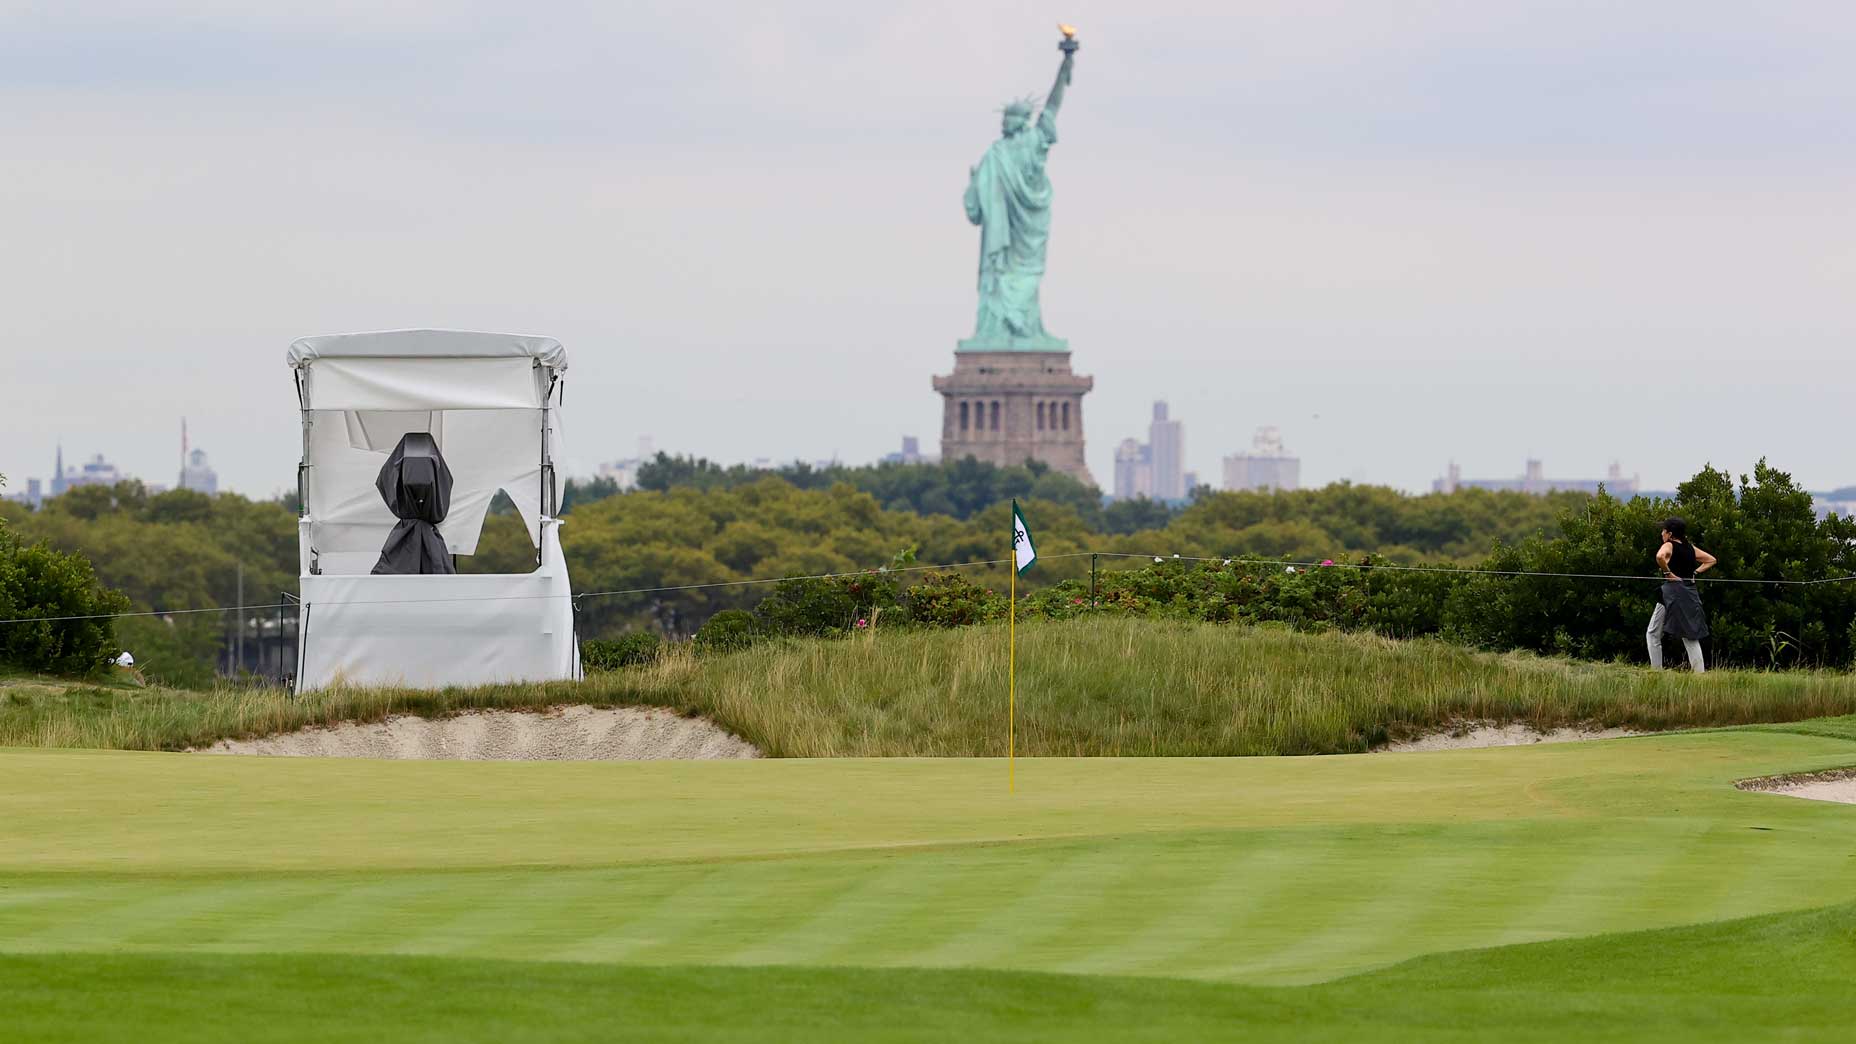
(1765, 534)
(679, 552)
(959, 489)
(1461, 525)
(174, 550)
(699, 539)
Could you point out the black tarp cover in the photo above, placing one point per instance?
(416, 484)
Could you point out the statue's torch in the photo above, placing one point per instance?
(1068, 44)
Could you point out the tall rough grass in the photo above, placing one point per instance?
(1085, 687)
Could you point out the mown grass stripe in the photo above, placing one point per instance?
(886, 892)
(1418, 894)
(1201, 900)
(1050, 916)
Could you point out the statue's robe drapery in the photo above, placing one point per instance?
(1009, 197)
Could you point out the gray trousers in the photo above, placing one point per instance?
(1655, 637)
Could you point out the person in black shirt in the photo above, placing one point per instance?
(1678, 607)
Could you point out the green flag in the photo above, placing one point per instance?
(1024, 555)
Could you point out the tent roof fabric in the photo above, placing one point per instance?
(428, 344)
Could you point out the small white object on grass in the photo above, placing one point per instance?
(125, 660)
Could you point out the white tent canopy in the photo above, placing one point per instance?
(483, 397)
(490, 401)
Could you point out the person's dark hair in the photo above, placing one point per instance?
(1676, 527)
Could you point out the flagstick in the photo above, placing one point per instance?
(1011, 683)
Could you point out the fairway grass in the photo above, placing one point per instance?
(1783, 977)
(1466, 895)
(1102, 686)
(1262, 871)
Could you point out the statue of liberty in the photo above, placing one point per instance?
(1008, 196)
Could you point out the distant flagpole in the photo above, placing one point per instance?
(1024, 554)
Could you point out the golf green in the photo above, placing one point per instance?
(137, 868)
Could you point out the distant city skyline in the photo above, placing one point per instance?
(1266, 466)
(198, 473)
(95, 471)
(1534, 479)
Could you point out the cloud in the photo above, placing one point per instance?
(1326, 73)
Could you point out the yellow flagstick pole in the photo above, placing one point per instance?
(1011, 675)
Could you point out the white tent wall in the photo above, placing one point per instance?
(485, 399)
(433, 631)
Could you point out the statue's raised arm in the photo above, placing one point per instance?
(1055, 99)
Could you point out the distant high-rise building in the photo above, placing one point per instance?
(1134, 470)
(94, 472)
(1166, 442)
(1841, 502)
(198, 475)
(625, 472)
(32, 496)
(195, 473)
(1266, 467)
(1534, 480)
(911, 452)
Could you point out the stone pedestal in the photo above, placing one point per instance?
(1006, 407)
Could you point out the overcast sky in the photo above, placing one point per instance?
(1410, 233)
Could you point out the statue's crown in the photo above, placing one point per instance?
(1018, 107)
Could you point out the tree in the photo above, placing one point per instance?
(958, 488)
(586, 491)
(664, 471)
(1133, 514)
(38, 583)
(176, 550)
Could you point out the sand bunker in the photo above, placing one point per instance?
(561, 734)
(1489, 734)
(1837, 785)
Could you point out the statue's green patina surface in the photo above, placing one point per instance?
(1008, 197)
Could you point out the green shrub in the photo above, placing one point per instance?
(951, 600)
(1409, 603)
(728, 631)
(1065, 600)
(37, 582)
(815, 607)
(632, 649)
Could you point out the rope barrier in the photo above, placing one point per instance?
(1454, 570)
(516, 598)
(884, 570)
(148, 612)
